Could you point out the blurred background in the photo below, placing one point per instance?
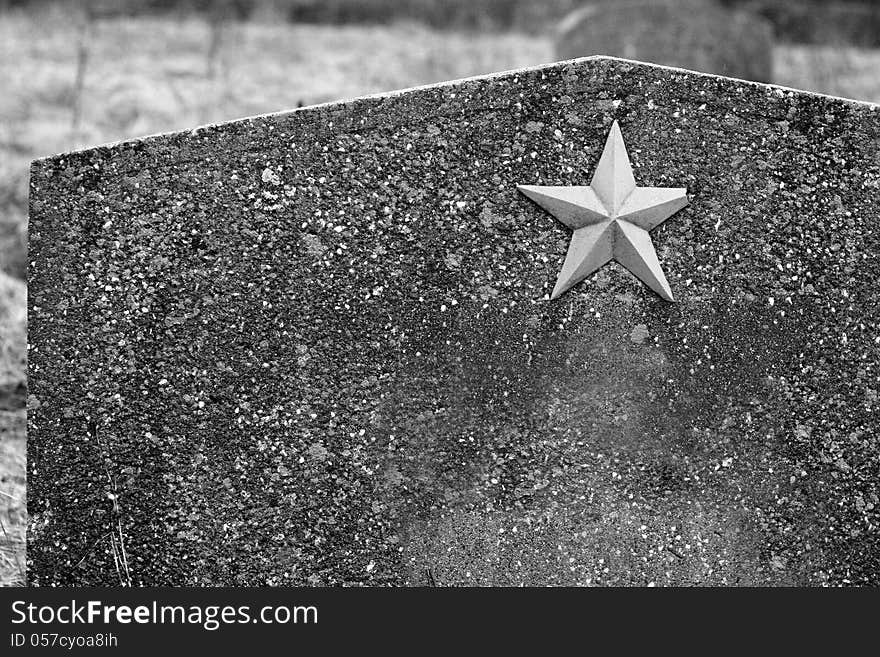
(75, 74)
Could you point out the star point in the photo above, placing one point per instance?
(610, 218)
(613, 179)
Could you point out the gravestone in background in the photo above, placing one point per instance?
(834, 22)
(693, 34)
(318, 347)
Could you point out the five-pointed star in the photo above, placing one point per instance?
(611, 219)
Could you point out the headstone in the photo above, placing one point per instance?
(692, 34)
(851, 22)
(318, 347)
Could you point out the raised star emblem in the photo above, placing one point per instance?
(610, 219)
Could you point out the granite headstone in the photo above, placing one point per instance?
(695, 34)
(318, 347)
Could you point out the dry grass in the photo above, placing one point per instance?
(69, 84)
(13, 510)
(13, 514)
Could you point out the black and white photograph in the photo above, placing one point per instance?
(439, 293)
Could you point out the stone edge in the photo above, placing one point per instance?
(338, 104)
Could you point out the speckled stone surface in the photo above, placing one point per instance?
(317, 347)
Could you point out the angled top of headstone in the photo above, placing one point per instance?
(318, 347)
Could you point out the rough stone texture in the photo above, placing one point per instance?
(692, 34)
(316, 347)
